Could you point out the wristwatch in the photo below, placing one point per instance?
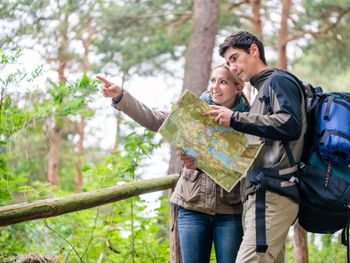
(117, 99)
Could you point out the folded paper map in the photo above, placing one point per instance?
(222, 153)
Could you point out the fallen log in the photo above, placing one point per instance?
(45, 208)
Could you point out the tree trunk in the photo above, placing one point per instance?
(81, 127)
(13, 214)
(300, 237)
(80, 154)
(197, 74)
(300, 244)
(256, 19)
(200, 50)
(255, 5)
(56, 131)
(55, 138)
(283, 35)
(86, 45)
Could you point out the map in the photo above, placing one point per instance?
(222, 153)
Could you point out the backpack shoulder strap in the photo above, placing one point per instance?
(266, 98)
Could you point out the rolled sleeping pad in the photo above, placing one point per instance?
(334, 128)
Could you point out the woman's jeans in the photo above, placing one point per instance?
(197, 231)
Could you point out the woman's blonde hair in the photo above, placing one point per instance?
(235, 79)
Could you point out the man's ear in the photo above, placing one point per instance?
(254, 50)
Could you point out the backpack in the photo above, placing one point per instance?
(322, 182)
(324, 178)
(324, 173)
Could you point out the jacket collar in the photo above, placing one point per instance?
(258, 80)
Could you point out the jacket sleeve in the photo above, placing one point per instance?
(150, 119)
(285, 123)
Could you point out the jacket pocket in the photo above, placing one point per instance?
(231, 198)
(190, 185)
(190, 175)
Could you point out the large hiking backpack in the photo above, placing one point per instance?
(324, 178)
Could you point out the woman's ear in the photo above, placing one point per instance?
(240, 87)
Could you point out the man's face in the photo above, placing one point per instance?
(242, 63)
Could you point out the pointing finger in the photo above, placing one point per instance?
(105, 81)
(211, 113)
(215, 107)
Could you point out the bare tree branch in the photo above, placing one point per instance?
(235, 5)
(323, 31)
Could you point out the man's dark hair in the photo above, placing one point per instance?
(242, 40)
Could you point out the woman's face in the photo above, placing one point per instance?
(222, 88)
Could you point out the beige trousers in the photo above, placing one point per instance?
(281, 212)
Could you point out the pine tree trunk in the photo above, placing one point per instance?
(80, 154)
(300, 237)
(56, 131)
(55, 138)
(197, 74)
(81, 127)
(300, 244)
(256, 19)
(283, 35)
(200, 50)
(255, 5)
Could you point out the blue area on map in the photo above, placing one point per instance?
(224, 158)
(200, 136)
(219, 129)
(190, 151)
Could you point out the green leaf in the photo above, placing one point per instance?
(7, 102)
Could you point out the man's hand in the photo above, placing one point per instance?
(222, 115)
(110, 89)
(189, 161)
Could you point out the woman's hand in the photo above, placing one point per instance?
(222, 115)
(110, 89)
(189, 161)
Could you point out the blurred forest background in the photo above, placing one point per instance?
(59, 136)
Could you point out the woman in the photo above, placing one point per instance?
(207, 213)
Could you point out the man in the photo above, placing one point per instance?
(277, 116)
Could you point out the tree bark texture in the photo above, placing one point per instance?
(81, 127)
(300, 237)
(56, 130)
(256, 19)
(80, 155)
(283, 35)
(17, 213)
(300, 244)
(202, 41)
(55, 138)
(249, 91)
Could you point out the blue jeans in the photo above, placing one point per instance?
(197, 231)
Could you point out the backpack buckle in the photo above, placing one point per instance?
(301, 166)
